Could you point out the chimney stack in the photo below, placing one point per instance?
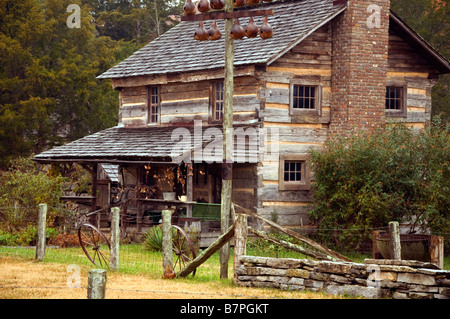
(360, 56)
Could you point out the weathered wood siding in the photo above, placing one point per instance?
(294, 134)
(183, 103)
(407, 67)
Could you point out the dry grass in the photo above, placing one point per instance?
(24, 273)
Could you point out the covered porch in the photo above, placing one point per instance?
(152, 173)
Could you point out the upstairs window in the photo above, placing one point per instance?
(154, 105)
(216, 102)
(304, 97)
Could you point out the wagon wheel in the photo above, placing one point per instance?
(183, 249)
(95, 245)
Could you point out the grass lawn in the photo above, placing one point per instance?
(139, 276)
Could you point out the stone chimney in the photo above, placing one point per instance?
(360, 54)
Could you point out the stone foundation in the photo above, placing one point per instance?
(376, 278)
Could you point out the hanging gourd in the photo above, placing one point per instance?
(237, 31)
(201, 34)
(238, 3)
(217, 4)
(203, 6)
(189, 8)
(214, 32)
(266, 31)
(251, 30)
(252, 2)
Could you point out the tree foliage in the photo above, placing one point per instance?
(393, 174)
(49, 93)
(22, 188)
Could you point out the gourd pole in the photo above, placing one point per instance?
(227, 165)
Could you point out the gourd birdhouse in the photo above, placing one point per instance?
(189, 8)
(266, 31)
(214, 32)
(252, 2)
(201, 34)
(203, 6)
(238, 3)
(251, 30)
(217, 4)
(237, 31)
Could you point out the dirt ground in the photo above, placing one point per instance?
(28, 279)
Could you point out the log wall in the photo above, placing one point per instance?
(183, 103)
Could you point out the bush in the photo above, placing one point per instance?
(392, 174)
(25, 236)
(22, 188)
(153, 239)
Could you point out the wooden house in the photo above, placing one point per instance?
(330, 67)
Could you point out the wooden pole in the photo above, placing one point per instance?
(227, 165)
(395, 247)
(96, 284)
(115, 238)
(41, 232)
(166, 228)
(240, 239)
(437, 250)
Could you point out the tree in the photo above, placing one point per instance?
(48, 86)
(138, 20)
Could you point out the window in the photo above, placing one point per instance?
(304, 97)
(396, 100)
(293, 173)
(154, 104)
(216, 102)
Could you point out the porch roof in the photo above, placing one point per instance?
(153, 144)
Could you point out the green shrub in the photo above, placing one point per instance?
(392, 174)
(153, 239)
(22, 188)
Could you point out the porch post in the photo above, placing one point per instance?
(189, 189)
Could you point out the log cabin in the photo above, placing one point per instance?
(331, 67)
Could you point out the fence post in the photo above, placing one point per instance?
(166, 228)
(240, 240)
(395, 247)
(115, 238)
(41, 232)
(96, 284)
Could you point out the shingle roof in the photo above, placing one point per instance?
(177, 51)
(150, 143)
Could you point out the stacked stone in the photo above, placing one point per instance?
(373, 279)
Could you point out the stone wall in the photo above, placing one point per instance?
(375, 278)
